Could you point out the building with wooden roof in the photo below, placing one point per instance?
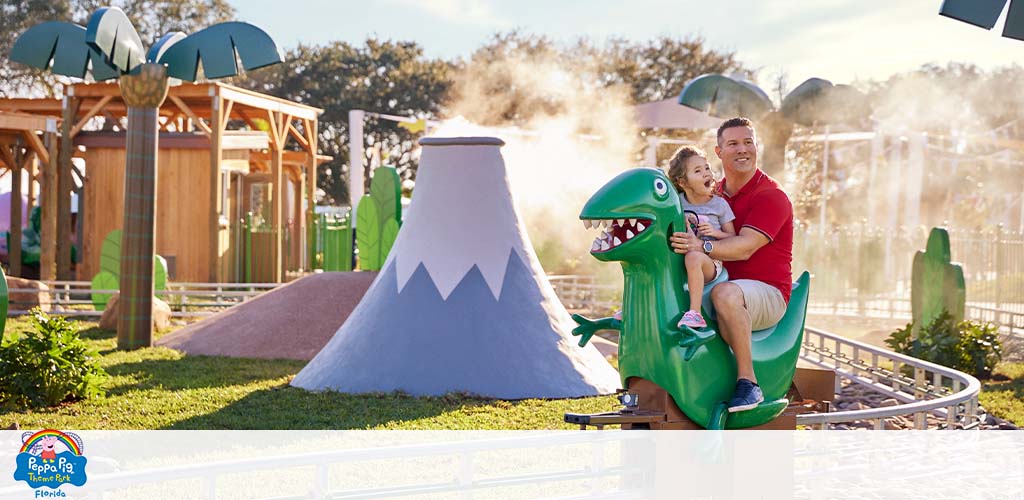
(224, 152)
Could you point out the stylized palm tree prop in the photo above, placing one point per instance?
(110, 48)
(814, 102)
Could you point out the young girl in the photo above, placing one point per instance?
(689, 171)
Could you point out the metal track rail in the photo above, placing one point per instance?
(924, 387)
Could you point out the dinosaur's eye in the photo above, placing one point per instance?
(660, 188)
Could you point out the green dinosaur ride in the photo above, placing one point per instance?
(696, 367)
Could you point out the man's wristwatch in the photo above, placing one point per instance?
(707, 247)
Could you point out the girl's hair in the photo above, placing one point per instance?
(677, 164)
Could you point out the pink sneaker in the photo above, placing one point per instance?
(692, 319)
(618, 315)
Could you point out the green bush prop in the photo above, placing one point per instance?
(48, 366)
(969, 346)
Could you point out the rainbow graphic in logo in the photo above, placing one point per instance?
(50, 458)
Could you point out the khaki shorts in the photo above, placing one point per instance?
(765, 303)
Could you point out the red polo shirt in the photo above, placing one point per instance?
(762, 206)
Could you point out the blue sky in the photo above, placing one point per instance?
(835, 39)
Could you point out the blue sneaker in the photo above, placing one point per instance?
(746, 396)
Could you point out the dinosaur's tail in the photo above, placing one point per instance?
(776, 349)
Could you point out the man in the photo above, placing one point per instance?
(759, 258)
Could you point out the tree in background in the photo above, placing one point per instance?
(381, 76)
(151, 18)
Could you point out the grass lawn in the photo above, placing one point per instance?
(159, 388)
(1003, 395)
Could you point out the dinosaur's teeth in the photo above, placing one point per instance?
(640, 227)
(605, 246)
(595, 246)
(632, 222)
(586, 223)
(616, 241)
(629, 234)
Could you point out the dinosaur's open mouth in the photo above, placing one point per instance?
(615, 232)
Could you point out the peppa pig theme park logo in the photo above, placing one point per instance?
(50, 458)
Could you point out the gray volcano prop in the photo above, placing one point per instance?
(462, 303)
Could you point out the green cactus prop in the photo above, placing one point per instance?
(376, 234)
(109, 277)
(937, 284)
(368, 234)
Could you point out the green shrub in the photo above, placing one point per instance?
(48, 366)
(969, 346)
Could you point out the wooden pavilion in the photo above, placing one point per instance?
(27, 142)
(224, 151)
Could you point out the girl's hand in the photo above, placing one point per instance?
(705, 229)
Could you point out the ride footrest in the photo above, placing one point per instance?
(600, 420)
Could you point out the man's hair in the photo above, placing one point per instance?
(677, 164)
(739, 121)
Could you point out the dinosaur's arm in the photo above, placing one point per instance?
(691, 339)
(587, 327)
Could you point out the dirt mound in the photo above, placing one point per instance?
(293, 321)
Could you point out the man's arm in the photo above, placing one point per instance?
(739, 247)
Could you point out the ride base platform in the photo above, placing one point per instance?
(812, 391)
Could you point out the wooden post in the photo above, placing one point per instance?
(33, 169)
(216, 152)
(64, 183)
(278, 125)
(311, 137)
(14, 245)
(48, 197)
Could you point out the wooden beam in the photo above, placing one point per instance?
(14, 246)
(64, 185)
(269, 103)
(191, 114)
(89, 114)
(37, 145)
(310, 127)
(277, 205)
(33, 167)
(22, 121)
(48, 202)
(275, 136)
(225, 116)
(216, 153)
(294, 132)
(5, 154)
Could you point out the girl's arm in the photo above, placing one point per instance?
(728, 229)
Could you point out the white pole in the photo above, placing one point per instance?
(651, 152)
(824, 186)
(355, 159)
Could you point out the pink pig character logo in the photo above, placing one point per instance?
(49, 453)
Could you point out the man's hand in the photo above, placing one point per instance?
(685, 242)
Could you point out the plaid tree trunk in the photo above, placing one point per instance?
(135, 306)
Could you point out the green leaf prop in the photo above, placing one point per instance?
(60, 47)
(159, 273)
(103, 281)
(110, 253)
(385, 188)
(389, 233)
(110, 32)
(215, 47)
(368, 234)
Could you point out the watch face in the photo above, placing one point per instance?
(707, 247)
